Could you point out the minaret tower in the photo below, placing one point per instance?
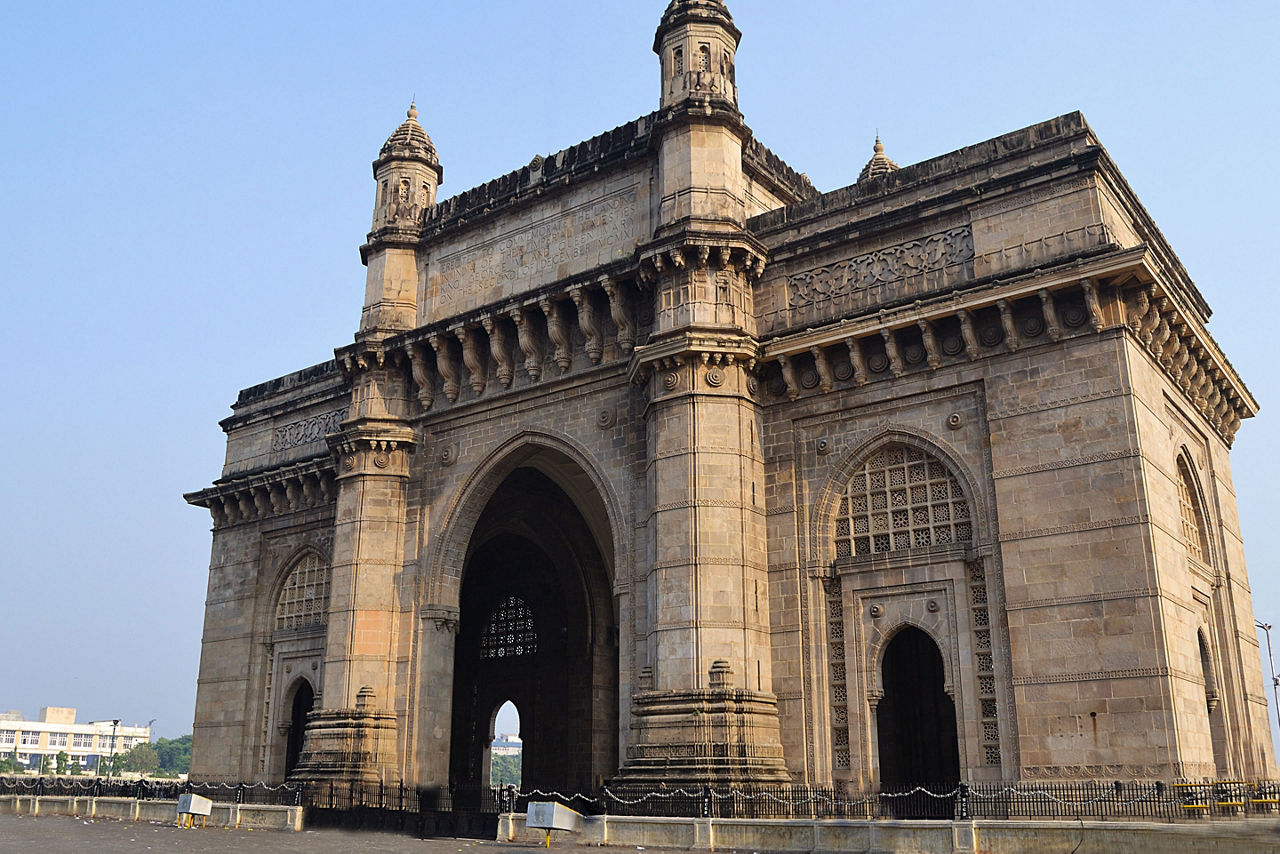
(355, 734)
(706, 711)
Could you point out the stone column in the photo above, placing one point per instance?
(353, 737)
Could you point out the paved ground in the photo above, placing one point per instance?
(64, 835)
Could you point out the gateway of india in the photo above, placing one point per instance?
(723, 479)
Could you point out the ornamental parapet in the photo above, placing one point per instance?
(1123, 289)
(256, 497)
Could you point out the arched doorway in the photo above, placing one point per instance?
(303, 700)
(536, 627)
(505, 748)
(916, 720)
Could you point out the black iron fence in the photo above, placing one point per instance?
(473, 811)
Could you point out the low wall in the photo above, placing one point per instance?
(1239, 836)
(249, 816)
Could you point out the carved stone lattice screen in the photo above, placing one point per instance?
(901, 498)
(304, 601)
(1192, 518)
(510, 631)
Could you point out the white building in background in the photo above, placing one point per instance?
(506, 744)
(56, 731)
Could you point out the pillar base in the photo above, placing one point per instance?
(716, 737)
(348, 746)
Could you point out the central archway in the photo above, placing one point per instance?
(303, 701)
(537, 628)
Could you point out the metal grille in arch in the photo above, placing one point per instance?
(510, 632)
(901, 498)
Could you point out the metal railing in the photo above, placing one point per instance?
(473, 811)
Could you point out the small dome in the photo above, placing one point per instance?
(878, 165)
(681, 11)
(410, 141)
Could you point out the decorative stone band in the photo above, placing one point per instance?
(263, 495)
(307, 430)
(1006, 315)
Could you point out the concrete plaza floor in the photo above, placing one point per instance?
(64, 835)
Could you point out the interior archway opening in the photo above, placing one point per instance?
(916, 719)
(536, 629)
(303, 701)
(506, 747)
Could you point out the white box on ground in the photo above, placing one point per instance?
(194, 805)
(549, 815)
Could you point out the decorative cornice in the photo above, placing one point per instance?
(1093, 676)
(1033, 604)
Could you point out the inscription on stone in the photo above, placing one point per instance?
(560, 245)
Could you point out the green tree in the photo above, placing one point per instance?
(75, 766)
(175, 754)
(44, 764)
(60, 762)
(504, 770)
(143, 758)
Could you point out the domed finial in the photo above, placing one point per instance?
(413, 111)
(878, 148)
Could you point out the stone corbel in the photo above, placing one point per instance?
(279, 501)
(930, 344)
(473, 357)
(826, 379)
(446, 365)
(1137, 308)
(1050, 312)
(891, 350)
(1181, 357)
(499, 348)
(857, 361)
(247, 512)
(528, 341)
(218, 510)
(724, 257)
(293, 492)
(676, 257)
(423, 375)
(620, 312)
(557, 333)
(1091, 303)
(1147, 327)
(1160, 334)
(966, 331)
(704, 255)
(789, 376)
(1010, 328)
(594, 346)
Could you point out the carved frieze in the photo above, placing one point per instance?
(307, 430)
(883, 268)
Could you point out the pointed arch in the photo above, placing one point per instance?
(548, 453)
(1195, 528)
(882, 641)
(826, 504)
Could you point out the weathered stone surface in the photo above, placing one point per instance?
(657, 440)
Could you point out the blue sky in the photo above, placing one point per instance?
(185, 188)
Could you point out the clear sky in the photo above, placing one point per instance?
(185, 187)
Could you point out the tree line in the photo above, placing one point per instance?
(165, 757)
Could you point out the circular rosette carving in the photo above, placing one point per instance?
(955, 421)
(381, 460)
(1074, 315)
(876, 611)
(715, 377)
(777, 387)
(753, 385)
(670, 380)
(952, 345)
(878, 363)
(823, 447)
(843, 370)
(606, 418)
(809, 378)
(933, 606)
(914, 354)
(449, 454)
(349, 462)
(1033, 326)
(990, 336)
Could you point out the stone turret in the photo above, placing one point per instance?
(697, 42)
(878, 165)
(408, 172)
